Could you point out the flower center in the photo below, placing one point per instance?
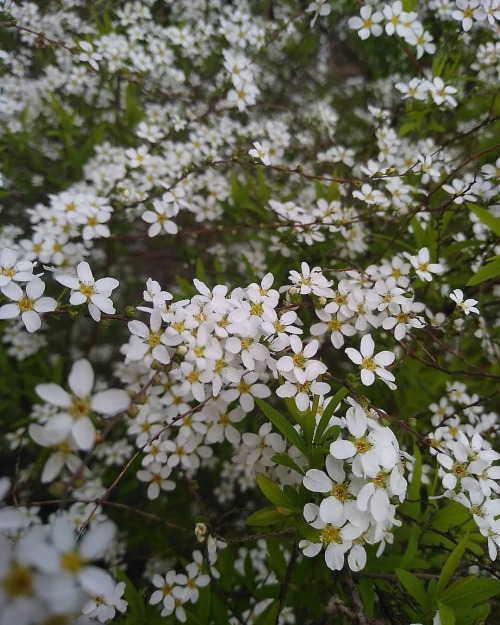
(25, 304)
(87, 289)
(18, 581)
(71, 562)
(339, 491)
(368, 363)
(362, 445)
(330, 534)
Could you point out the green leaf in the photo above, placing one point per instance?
(203, 604)
(446, 614)
(486, 217)
(269, 615)
(328, 413)
(277, 560)
(136, 612)
(416, 480)
(418, 233)
(367, 594)
(487, 272)
(286, 461)
(200, 271)
(409, 5)
(283, 425)
(265, 516)
(412, 547)
(273, 492)
(413, 585)
(478, 614)
(451, 564)
(469, 591)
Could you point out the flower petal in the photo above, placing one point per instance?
(110, 402)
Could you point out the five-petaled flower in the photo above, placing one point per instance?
(85, 289)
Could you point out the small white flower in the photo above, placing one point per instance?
(261, 151)
(370, 364)
(368, 22)
(466, 306)
(28, 304)
(74, 421)
(87, 290)
(12, 269)
(422, 265)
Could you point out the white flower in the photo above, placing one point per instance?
(147, 342)
(87, 290)
(422, 265)
(104, 606)
(28, 304)
(75, 421)
(12, 269)
(161, 218)
(71, 558)
(311, 281)
(368, 23)
(319, 7)
(370, 364)
(466, 306)
(157, 475)
(261, 151)
(88, 55)
(442, 93)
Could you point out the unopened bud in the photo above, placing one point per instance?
(200, 531)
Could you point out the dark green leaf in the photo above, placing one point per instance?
(413, 585)
(451, 564)
(328, 413)
(273, 492)
(283, 425)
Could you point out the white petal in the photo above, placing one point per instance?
(9, 311)
(84, 273)
(317, 481)
(45, 304)
(35, 288)
(58, 428)
(332, 511)
(52, 467)
(367, 346)
(110, 402)
(53, 394)
(97, 540)
(31, 320)
(385, 358)
(354, 355)
(84, 433)
(367, 377)
(95, 581)
(81, 378)
(341, 449)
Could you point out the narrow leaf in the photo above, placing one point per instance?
(265, 516)
(273, 492)
(286, 461)
(486, 272)
(446, 614)
(486, 217)
(283, 425)
(470, 592)
(451, 564)
(413, 585)
(328, 413)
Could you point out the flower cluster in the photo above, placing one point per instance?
(363, 476)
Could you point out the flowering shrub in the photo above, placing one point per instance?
(249, 263)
